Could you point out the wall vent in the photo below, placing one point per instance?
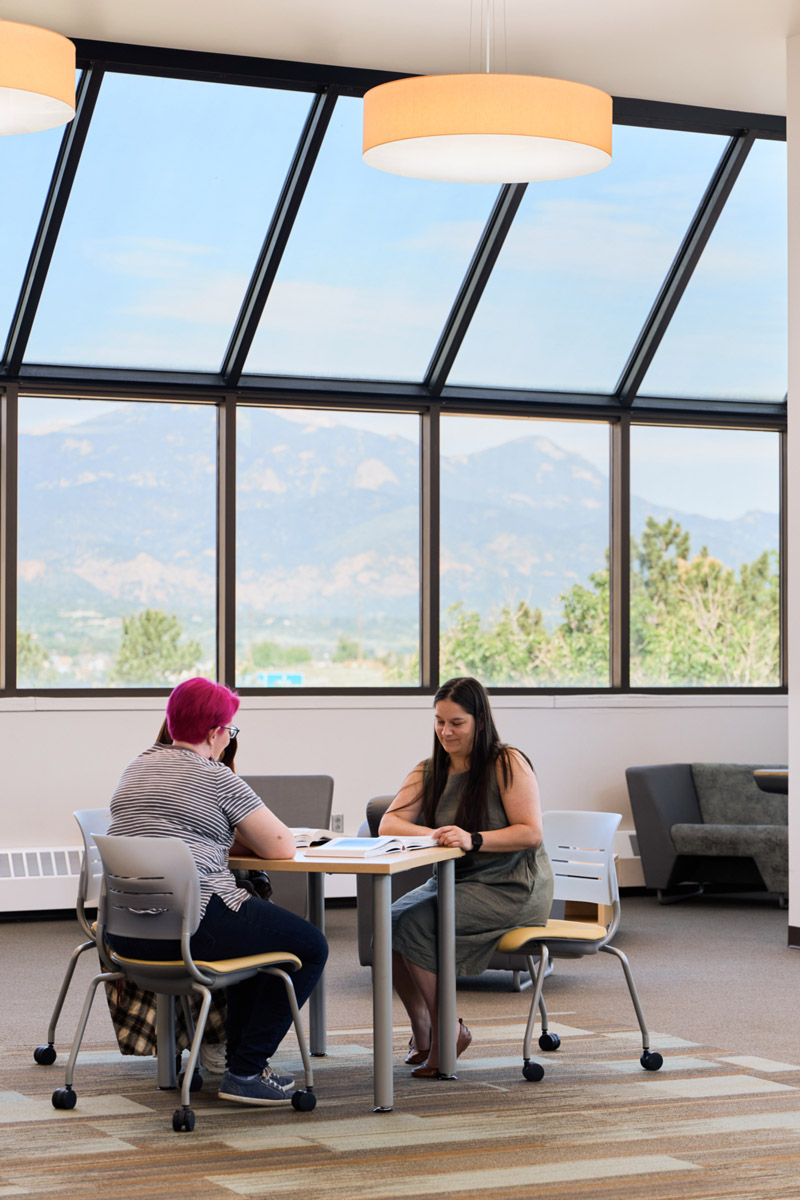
(39, 878)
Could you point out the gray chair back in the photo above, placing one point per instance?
(90, 821)
(152, 889)
(297, 800)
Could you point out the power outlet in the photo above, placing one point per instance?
(337, 822)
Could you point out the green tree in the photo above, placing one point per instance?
(32, 660)
(346, 649)
(273, 654)
(583, 639)
(694, 622)
(151, 652)
(514, 649)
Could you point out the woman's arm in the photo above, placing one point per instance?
(521, 803)
(402, 814)
(266, 834)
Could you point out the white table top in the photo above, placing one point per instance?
(377, 864)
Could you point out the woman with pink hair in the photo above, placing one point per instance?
(183, 790)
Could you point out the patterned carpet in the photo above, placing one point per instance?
(711, 1124)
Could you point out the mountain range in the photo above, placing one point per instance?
(118, 512)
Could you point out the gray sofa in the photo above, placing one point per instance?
(709, 823)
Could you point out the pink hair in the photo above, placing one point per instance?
(197, 706)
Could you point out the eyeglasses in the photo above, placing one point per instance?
(233, 730)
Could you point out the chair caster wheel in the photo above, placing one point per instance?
(549, 1041)
(45, 1056)
(64, 1097)
(197, 1081)
(183, 1118)
(532, 1071)
(651, 1060)
(303, 1101)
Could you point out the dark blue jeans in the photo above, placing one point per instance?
(258, 1010)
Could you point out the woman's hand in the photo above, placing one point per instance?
(453, 836)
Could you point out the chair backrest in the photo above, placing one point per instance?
(151, 887)
(296, 799)
(376, 807)
(580, 846)
(90, 821)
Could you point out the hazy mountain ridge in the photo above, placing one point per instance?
(327, 519)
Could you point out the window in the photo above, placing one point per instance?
(327, 558)
(524, 546)
(728, 337)
(26, 164)
(116, 556)
(704, 558)
(173, 195)
(372, 267)
(583, 263)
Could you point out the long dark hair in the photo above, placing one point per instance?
(487, 751)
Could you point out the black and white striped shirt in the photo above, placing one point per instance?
(171, 792)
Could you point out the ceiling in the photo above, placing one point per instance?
(720, 53)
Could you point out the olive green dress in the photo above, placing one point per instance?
(494, 893)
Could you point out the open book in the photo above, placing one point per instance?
(304, 836)
(365, 847)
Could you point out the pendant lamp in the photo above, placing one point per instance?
(37, 78)
(487, 127)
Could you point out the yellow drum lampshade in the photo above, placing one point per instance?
(487, 128)
(37, 78)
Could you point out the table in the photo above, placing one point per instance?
(772, 779)
(381, 868)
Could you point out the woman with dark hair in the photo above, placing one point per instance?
(480, 795)
(183, 790)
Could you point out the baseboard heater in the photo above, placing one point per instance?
(39, 879)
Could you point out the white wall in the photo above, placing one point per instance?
(792, 515)
(66, 754)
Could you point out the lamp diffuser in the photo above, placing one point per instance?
(487, 128)
(37, 78)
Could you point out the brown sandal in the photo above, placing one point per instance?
(415, 1056)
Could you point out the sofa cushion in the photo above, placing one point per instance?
(767, 845)
(728, 795)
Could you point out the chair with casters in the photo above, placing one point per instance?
(580, 846)
(151, 890)
(90, 820)
(297, 800)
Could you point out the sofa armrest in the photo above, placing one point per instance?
(661, 796)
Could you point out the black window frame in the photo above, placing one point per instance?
(431, 397)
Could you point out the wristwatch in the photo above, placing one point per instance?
(477, 841)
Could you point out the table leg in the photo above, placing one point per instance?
(447, 968)
(383, 1082)
(317, 1019)
(165, 1042)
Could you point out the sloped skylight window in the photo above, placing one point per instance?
(372, 267)
(172, 199)
(728, 338)
(582, 265)
(26, 164)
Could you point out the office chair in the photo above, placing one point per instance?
(151, 889)
(89, 820)
(580, 846)
(297, 800)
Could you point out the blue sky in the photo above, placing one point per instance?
(175, 190)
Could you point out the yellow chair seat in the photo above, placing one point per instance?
(553, 931)
(223, 965)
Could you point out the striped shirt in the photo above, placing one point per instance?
(172, 792)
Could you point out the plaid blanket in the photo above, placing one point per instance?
(133, 1012)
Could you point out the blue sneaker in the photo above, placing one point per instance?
(261, 1089)
(283, 1081)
